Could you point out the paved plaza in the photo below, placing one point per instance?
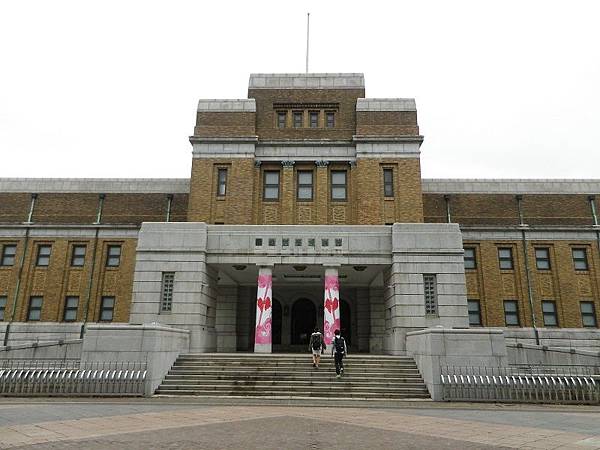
(186, 424)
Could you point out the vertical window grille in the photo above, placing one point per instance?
(549, 311)
(43, 255)
(35, 308)
(271, 185)
(281, 119)
(542, 258)
(107, 308)
(588, 314)
(222, 182)
(430, 291)
(330, 120)
(338, 185)
(305, 185)
(470, 258)
(505, 258)
(511, 313)
(474, 313)
(166, 295)
(580, 259)
(70, 313)
(314, 119)
(388, 182)
(78, 256)
(8, 255)
(298, 120)
(113, 256)
(3, 299)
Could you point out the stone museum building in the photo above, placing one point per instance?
(305, 207)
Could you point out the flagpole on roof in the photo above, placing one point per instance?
(307, 36)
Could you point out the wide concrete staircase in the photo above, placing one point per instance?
(292, 376)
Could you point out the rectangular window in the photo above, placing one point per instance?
(43, 255)
(305, 185)
(588, 314)
(107, 307)
(580, 259)
(3, 299)
(470, 258)
(388, 182)
(35, 308)
(338, 185)
(78, 255)
(271, 185)
(70, 313)
(166, 291)
(281, 115)
(8, 255)
(330, 118)
(542, 258)
(298, 116)
(221, 182)
(113, 256)
(430, 291)
(549, 311)
(474, 313)
(511, 313)
(505, 258)
(314, 119)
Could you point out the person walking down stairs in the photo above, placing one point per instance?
(317, 346)
(339, 350)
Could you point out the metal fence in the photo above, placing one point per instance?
(528, 384)
(71, 377)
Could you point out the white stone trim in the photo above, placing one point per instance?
(95, 185)
(223, 150)
(386, 104)
(85, 232)
(227, 105)
(388, 149)
(306, 81)
(531, 235)
(305, 153)
(511, 186)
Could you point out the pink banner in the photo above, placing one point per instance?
(332, 305)
(264, 308)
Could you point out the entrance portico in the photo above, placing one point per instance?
(379, 295)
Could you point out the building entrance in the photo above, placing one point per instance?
(304, 319)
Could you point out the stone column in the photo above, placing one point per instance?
(331, 310)
(288, 193)
(264, 311)
(226, 318)
(363, 318)
(322, 192)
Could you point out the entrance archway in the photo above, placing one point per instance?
(304, 316)
(346, 321)
(276, 323)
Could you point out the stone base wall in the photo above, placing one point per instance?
(39, 332)
(44, 350)
(564, 338)
(536, 355)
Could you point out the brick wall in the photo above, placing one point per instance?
(387, 123)
(219, 124)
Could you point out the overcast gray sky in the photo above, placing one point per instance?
(109, 89)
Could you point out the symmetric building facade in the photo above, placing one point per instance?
(315, 191)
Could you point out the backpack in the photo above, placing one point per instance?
(338, 343)
(315, 341)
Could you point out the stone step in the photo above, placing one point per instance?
(305, 362)
(359, 378)
(325, 394)
(304, 370)
(295, 383)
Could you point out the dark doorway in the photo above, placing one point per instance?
(304, 316)
(276, 323)
(346, 322)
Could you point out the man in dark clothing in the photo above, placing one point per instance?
(339, 350)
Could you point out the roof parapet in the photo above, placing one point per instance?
(227, 105)
(306, 81)
(386, 104)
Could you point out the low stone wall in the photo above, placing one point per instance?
(38, 332)
(434, 348)
(525, 354)
(70, 349)
(156, 345)
(577, 338)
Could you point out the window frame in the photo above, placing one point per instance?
(104, 308)
(32, 309)
(312, 114)
(221, 181)
(588, 314)
(514, 313)
(3, 304)
(68, 308)
(305, 185)
(110, 258)
(74, 255)
(576, 260)
(472, 259)
(167, 287)
(295, 115)
(271, 185)
(330, 124)
(338, 185)
(430, 289)
(470, 312)
(504, 259)
(279, 124)
(553, 313)
(39, 255)
(388, 183)
(4, 255)
(538, 259)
